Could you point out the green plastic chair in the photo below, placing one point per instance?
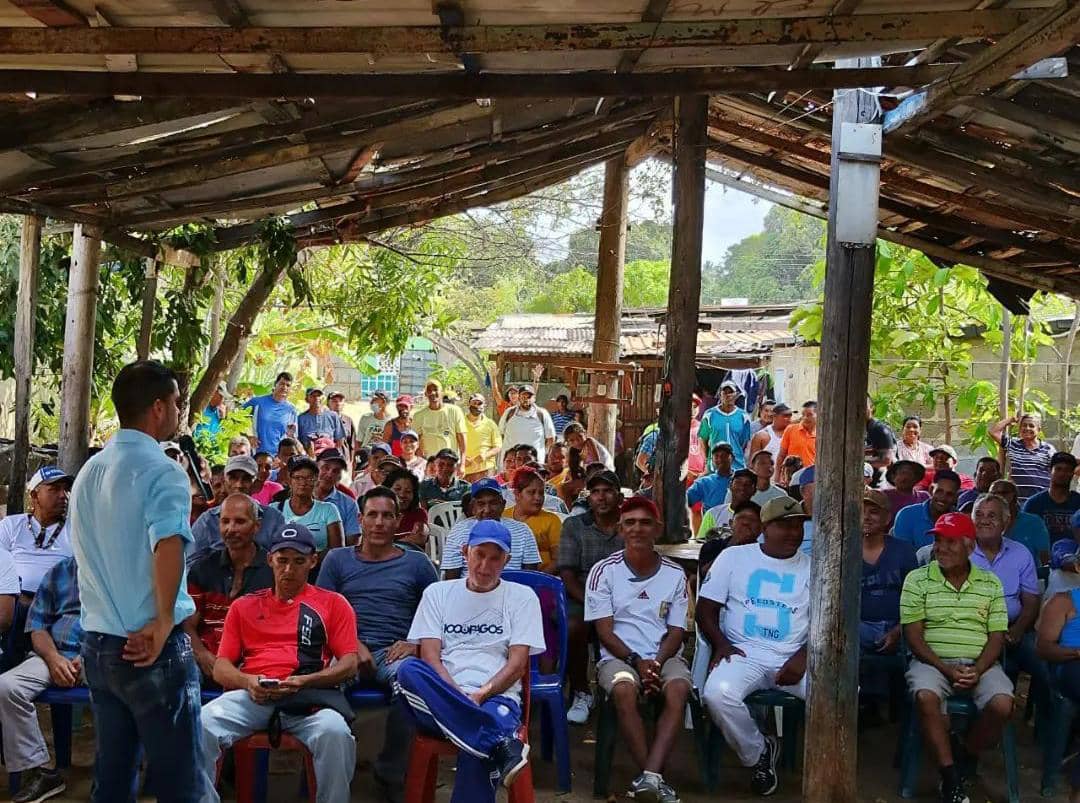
(958, 707)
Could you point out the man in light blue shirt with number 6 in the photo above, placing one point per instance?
(130, 511)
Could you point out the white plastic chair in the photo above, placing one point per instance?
(445, 514)
(436, 540)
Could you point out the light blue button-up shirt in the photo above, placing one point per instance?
(126, 499)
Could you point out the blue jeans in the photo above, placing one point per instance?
(156, 707)
(392, 762)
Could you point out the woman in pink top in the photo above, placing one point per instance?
(910, 447)
(264, 488)
(695, 462)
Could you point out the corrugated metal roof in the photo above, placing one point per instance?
(641, 337)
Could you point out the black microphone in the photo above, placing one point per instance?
(187, 446)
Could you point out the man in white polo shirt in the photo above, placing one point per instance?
(637, 600)
(764, 589)
(38, 540)
(527, 423)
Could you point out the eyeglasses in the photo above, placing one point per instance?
(298, 480)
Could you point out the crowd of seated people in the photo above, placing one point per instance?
(307, 590)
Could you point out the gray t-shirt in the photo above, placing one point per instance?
(384, 594)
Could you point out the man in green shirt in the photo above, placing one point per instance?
(954, 620)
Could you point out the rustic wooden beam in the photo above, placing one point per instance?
(684, 300)
(468, 157)
(149, 299)
(607, 320)
(988, 265)
(831, 754)
(755, 31)
(809, 52)
(1060, 131)
(1050, 32)
(79, 348)
(456, 85)
(54, 13)
(248, 159)
(25, 314)
(897, 184)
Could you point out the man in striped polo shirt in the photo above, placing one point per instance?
(487, 502)
(955, 619)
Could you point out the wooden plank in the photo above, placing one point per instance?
(456, 85)
(1049, 33)
(1057, 130)
(385, 41)
(580, 363)
(54, 13)
(360, 160)
(809, 52)
(607, 321)
(149, 298)
(830, 755)
(25, 314)
(684, 299)
(896, 184)
(988, 265)
(79, 348)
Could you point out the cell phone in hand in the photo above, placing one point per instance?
(269, 683)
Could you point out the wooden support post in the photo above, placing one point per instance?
(29, 257)
(1006, 373)
(684, 300)
(1063, 433)
(149, 296)
(830, 758)
(609, 289)
(79, 347)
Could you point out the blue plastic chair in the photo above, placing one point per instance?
(957, 706)
(547, 689)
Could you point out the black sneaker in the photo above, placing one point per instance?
(764, 780)
(510, 757)
(41, 785)
(953, 792)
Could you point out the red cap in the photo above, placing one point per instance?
(637, 502)
(954, 525)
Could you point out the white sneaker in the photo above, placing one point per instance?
(579, 708)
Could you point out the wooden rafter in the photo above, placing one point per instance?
(1049, 33)
(506, 38)
(459, 85)
(810, 51)
(54, 13)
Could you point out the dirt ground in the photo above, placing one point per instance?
(877, 778)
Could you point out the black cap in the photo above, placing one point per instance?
(1063, 457)
(449, 454)
(332, 454)
(301, 461)
(745, 473)
(293, 536)
(780, 409)
(607, 477)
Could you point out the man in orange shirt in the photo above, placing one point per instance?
(800, 440)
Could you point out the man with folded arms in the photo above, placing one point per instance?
(955, 620)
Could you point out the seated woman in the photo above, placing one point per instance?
(528, 508)
(1058, 643)
(264, 489)
(412, 528)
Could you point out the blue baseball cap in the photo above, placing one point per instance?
(486, 484)
(490, 531)
(47, 475)
(293, 536)
(807, 476)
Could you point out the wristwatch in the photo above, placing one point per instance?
(632, 659)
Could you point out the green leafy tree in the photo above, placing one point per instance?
(926, 321)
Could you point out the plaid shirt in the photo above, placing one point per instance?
(583, 544)
(56, 608)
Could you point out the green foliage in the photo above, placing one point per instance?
(215, 447)
(457, 377)
(774, 265)
(926, 321)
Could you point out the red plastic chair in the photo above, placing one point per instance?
(246, 752)
(426, 750)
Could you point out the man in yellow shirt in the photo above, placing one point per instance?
(482, 441)
(439, 425)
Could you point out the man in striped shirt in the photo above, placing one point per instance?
(955, 619)
(487, 502)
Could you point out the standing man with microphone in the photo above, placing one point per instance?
(130, 507)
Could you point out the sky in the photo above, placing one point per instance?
(730, 216)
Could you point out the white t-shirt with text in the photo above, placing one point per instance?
(477, 630)
(17, 535)
(766, 600)
(642, 607)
